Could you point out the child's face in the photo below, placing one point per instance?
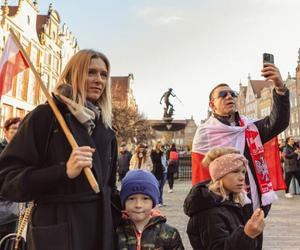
(138, 207)
(234, 182)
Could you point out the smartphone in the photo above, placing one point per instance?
(268, 58)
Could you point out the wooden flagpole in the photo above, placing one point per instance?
(87, 171)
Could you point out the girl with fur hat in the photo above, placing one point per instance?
(142, 227)
(215, 210)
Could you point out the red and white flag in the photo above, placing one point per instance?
(12, 62)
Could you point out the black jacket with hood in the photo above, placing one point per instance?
(215, 224)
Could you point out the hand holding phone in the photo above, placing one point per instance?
(271, 72)
(268, 58)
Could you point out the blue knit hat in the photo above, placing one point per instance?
(139, 182)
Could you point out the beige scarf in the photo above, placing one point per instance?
(85, 115)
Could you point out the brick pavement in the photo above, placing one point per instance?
(282, 231)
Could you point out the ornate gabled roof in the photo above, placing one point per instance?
(12, 10)
(41, 20)
(258, 85)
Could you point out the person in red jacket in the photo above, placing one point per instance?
(172, 166)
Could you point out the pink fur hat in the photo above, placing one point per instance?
(226, 164)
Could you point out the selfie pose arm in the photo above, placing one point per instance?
(278, 120)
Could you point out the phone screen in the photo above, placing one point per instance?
(268, 58)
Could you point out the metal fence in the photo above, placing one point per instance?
(185, 167)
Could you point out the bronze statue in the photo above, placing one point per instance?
(169, 108)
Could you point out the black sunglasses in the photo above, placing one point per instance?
(224, 93)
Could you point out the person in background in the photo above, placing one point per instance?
(172, 166)
(123, 162)
(10, 128)
(215, 209)
(157, 155)
(291, 164)
(143, 227)
(9, 210)
(164, 162)
(141, 159)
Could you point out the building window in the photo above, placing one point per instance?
(33, 55)
(47, 58)
(46, 80)
(20, 85)
(31, 88)
(20, 112)
(54, 82)
(55, 64)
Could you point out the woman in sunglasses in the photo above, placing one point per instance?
(226, 127)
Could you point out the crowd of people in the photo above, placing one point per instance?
(232, 192)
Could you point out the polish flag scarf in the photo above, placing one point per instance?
(265, 158)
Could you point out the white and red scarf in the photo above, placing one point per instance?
(214, 133)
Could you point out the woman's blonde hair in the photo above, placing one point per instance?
(217, 186)
(75, 73)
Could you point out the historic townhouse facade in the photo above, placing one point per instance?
(122, 92)
(255, 101)
(48, 45)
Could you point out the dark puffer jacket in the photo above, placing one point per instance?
(291, 162)
(215, 224)
(156, 235)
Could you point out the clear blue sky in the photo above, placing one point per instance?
(187, 45)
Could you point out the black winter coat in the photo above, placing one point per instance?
(291, 162)
(215, 224)
(68, 215)
(158, 168)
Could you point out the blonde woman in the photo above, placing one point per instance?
(40, 165)
(215, 210)
(141, 159)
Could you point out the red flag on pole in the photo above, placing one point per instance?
(12, 62)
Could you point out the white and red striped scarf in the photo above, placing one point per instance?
(214, 133)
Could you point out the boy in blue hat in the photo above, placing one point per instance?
(142, 227)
